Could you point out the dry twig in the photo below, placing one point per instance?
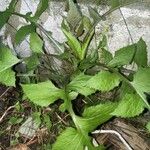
(5, 113)
(5, 92)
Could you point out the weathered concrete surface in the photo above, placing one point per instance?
(137, 17)
(4, 4)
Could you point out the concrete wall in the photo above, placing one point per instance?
(137, 17)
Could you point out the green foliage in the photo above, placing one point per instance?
(104, 81)
(89, 61)
(78, 47)
(103, 42)
(8, 77)
(74, 15)
(105, 56)
(123, 56)
(7, 60)
(47, 95)
(72, 138)
(86, 43)
(78, 84)
(37, 118)
(90, 75)
(94, 14)
(141, 54)
(141, 83)
(36, 43)
(23, 32)
(87, 22)
(130, 105)
(15, 120)
(95, 115)
(119, 3)
(142, 79)
(126, 55)
(32, 62)
(4, 18)
(5, 15)
(43, 4)
(73, 43)
(47, 121)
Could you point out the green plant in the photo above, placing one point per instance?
(109, 73)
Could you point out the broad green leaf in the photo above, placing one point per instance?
(4, 18)
(79, 29)
(141, 54)
(73, 43)
(89, 61)
(141, 83)
(142, 79)
(123, 56)
(42, 6)
(7, 59)
(7, 13)
(86, 43)
(125, 88)
(103, 81)
(36, 43)
(43, 93)
(88, 38)
(7, 77)
(87, 22)
(95, 115)
(70, 139)
(78, 85)
(74, 15)
(23, 32)
(105, 56)
(32, 62)
(130, 105)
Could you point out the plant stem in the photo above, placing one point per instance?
(70, 110)
(20, 15)
(74, 118)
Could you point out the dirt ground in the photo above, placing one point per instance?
(132, 130)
